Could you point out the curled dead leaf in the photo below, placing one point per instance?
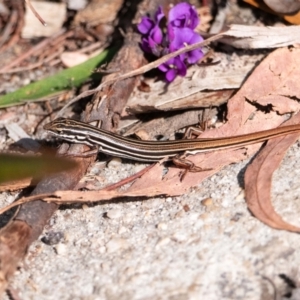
(258, 179)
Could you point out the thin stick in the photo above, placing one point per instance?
(35, 13)
(128, 179)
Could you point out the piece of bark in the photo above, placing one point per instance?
(16, 185)
(165, 125)
(255, 37)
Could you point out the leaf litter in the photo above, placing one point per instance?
(250, 110)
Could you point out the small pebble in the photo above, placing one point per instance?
(116, 244)
(162, 242)
(193, 216)
(142, 134)
(138, 168)
(60, 249)
(102, 249)
(95, 170)
(240, 197)
(225, 203)
(85, 206)
(122, 230)
(105, 266)
(236, 217)
(200, 255)
(186, 208)
(162, 226)
(129, 271)
(128, 218)
(26, 81)
(114, 163)
(114, 213)
(199, 223)
(52, 237)
(207, 202)
(179, 236)
(180, 214)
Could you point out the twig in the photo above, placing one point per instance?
(20, 21)
(33, 66)
(109, 188)
(35, 13)
(8, 28)
(36, 49)
(128, 179)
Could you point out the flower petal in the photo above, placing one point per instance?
(171, 74)
(182, 37)
(180, 65)
(194, 55)
(159, 14)
(156, 34)
(145, 25)
(145, 46)
(183, 15)
(163, 67)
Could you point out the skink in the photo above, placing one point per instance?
(150, 151)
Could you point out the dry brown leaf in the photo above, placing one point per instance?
(98, 12)
(283, 88)
(294, 19)
(284, 6)
(258, 179)
(289, 11)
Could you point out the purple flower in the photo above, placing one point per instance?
(153, 35)
(183, 15)
(173, 67)
(184, 37)
(161, 36)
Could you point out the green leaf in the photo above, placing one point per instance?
(17, 167)
(64, 80)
